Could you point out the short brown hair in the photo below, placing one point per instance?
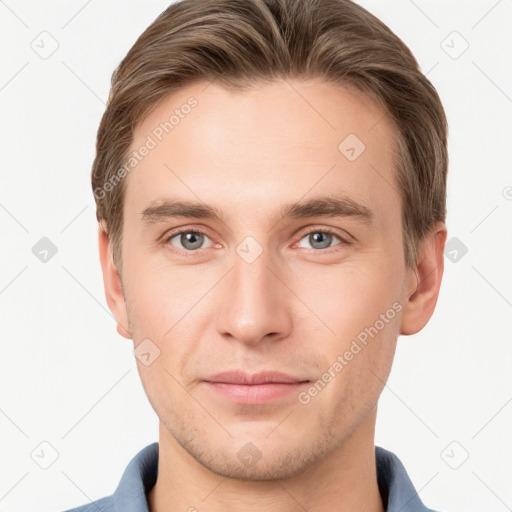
(239, 42)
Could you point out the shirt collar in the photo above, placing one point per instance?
(397, 491)
(137, 480)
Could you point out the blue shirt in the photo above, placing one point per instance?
(396, 489)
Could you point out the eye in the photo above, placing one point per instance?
(190, 240)
(322, 238)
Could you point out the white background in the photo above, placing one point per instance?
(67, 377)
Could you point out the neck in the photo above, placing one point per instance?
(345, 480)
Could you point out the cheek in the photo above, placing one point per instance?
(160, 297)
(347, 298)
(172, 308)
(360, 310)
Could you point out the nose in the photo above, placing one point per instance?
(256, 303)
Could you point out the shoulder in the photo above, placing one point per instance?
(102, 505)
(138, 478)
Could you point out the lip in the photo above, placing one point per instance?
(263, 377)
(257, 388)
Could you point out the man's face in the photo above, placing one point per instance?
(255, 291)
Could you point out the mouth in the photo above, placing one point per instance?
(257, 388)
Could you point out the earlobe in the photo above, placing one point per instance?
(421, 299)
(112, 284)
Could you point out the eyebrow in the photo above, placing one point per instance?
(316, 207)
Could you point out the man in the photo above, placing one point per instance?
(270, 181)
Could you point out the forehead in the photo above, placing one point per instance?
(272, 143)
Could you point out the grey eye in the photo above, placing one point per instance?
(320, 239)
(189, 240)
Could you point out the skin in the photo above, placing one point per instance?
(295, 308)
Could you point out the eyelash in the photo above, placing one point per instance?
(191, 253)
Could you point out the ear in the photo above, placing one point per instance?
(424, 281)
(112, 284)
